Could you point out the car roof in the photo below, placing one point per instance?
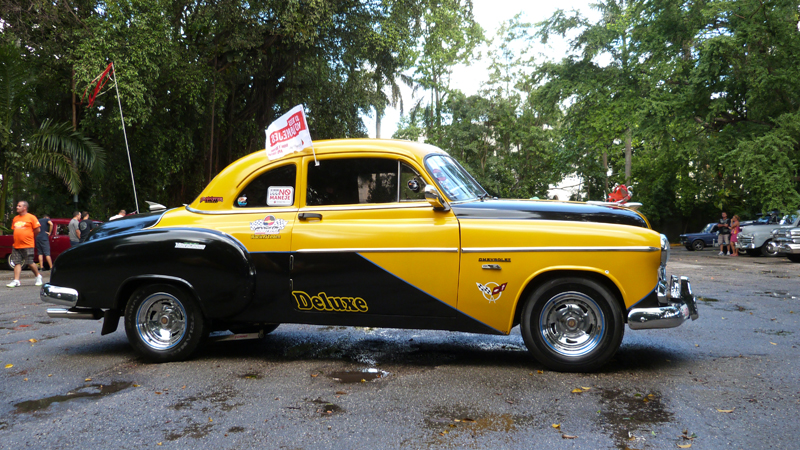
(229, 178)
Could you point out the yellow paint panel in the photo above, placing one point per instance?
(634, 273)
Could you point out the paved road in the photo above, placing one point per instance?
(302, 388)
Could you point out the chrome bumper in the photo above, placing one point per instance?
(679, 306)
(789, 249)
(66, 297)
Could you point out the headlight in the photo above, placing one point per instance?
(664, 251)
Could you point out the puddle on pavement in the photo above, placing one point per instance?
(358, 376)
(327, 408)
(94, 391)
(781, 333)
(628, 414)
(222, 400)
(452, 422)
(195, 431)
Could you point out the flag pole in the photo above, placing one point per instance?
(124, 133)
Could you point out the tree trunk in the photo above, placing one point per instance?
(74, 104)
(605, 168)
(628, 153)
(377, 123)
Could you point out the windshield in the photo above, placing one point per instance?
(788, 220)
(455, 182)
(708, 228)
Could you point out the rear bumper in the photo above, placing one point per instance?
(678, 306)
(66, 297)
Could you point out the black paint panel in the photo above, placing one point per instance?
(391, 301)
(220, 273)
(533, 210)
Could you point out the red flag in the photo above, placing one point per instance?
(101, 81)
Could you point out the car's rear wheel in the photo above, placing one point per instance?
(698, 244)
(572, 324)
(164, 323)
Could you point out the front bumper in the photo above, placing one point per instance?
(676, 307)
(66, 297)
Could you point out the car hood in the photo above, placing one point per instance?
(548, 210)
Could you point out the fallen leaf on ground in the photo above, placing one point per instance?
(32, 340)
(88, 379)
(556, 425)
(725, 410)
(685, 445)
(585, 388)
(568, 436)
(773, 343)
(577, 391)
(8, 366)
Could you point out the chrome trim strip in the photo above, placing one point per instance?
(557, 249)
(401, 205)
(58, 295)
(491, 267)
(243, 211)
(75, 313)
(378, 250)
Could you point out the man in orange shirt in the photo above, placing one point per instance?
(25, 227)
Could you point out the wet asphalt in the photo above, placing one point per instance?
(728, 380)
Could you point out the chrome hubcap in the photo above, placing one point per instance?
(572, 324)
(161, 321)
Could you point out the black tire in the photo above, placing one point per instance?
(753, 252)
(267, 327)
(794, 258)
(572, 325)
(698, 244)
(765, 249)
(172, 336)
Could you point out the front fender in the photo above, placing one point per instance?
(213, 265)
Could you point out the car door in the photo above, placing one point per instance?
(368, 249)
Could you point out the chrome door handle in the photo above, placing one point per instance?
(306, 216)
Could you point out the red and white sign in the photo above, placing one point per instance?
(288, 134)
(280, 196)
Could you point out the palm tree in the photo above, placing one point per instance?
(54, 147)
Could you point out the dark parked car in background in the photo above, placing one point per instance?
(701, 240)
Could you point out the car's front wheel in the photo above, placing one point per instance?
(572, 324)
(698, 244)
(164, 323)
(768, 249)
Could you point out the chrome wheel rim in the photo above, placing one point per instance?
(161, 321)
(698, 245)
(572, 324)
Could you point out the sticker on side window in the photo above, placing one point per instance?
(280, 196)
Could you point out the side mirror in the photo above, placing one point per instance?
(435, 199)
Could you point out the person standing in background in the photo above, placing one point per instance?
(734, 235)
(26, 227)
(119, 215)
(43, 242)
(85, 226)
(74, 232)
(724, 227)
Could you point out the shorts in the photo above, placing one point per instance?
(43, 247)
(22, 256)
(724, 239)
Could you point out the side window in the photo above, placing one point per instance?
(411, 184)
(352, 181)
(272, 188)
(62, 230)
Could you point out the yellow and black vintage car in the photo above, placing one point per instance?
(374, 233)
